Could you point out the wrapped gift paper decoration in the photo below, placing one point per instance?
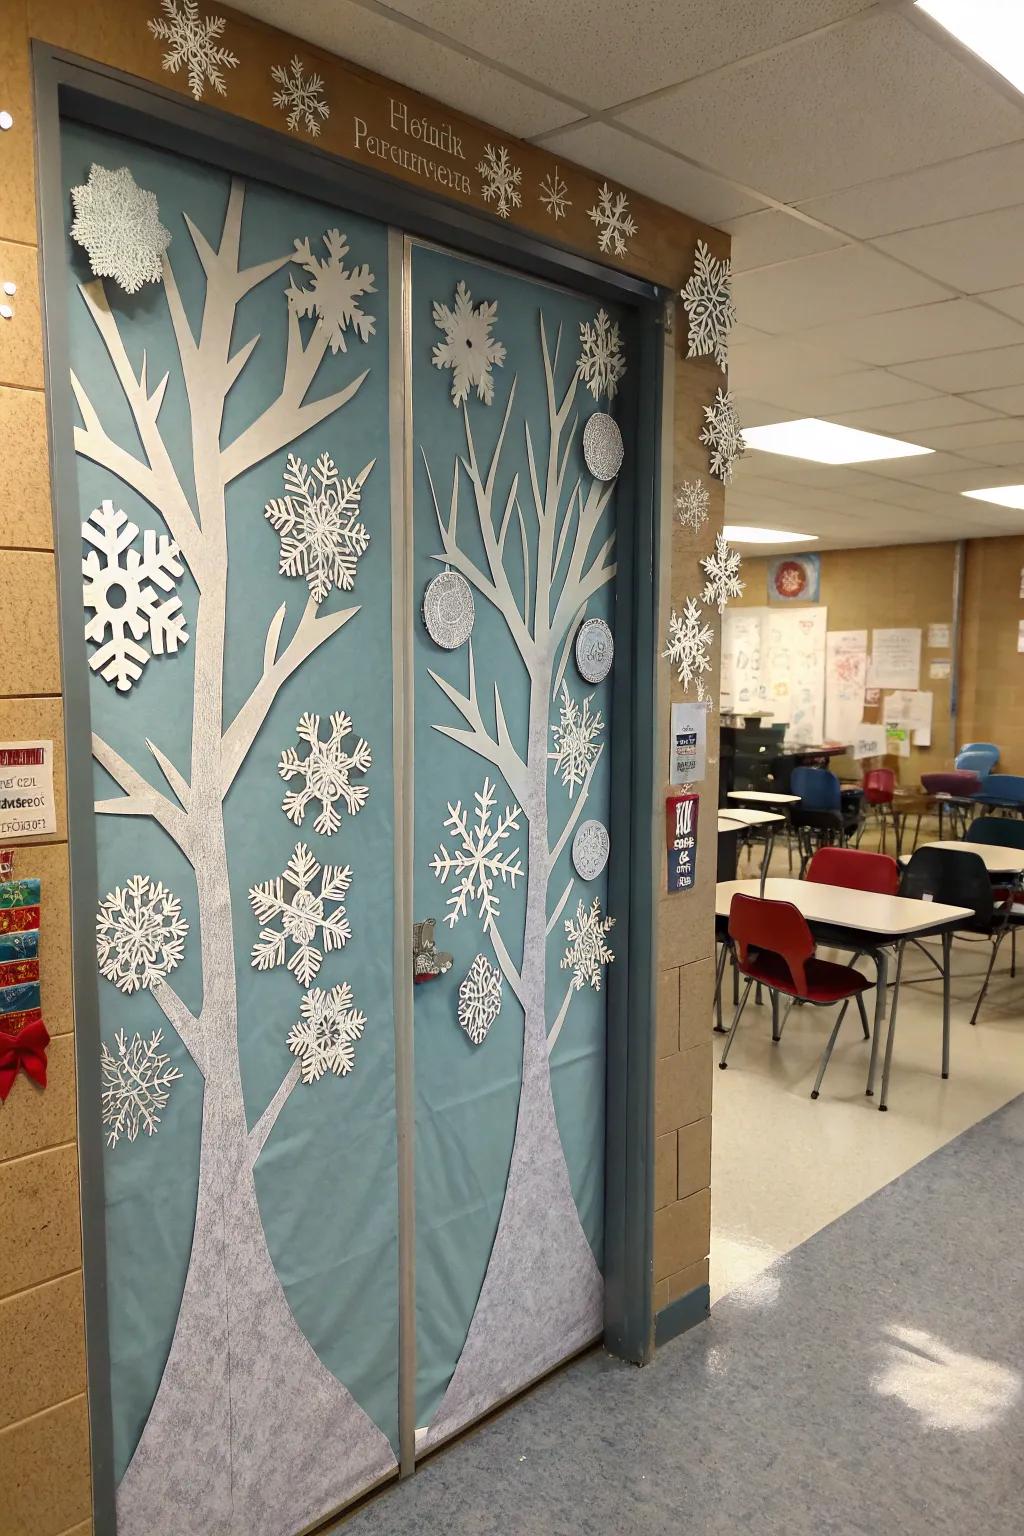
(23, 1035)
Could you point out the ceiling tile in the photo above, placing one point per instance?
(919, 469)
(969, 371)
(761, 239)
(974, 255)
(818, 289)
(1010, 401)
(1010, 301)
(858, 390)
(970, 435)
(1000, 454)
(926, 330)
(906, 420)
(773, 356)
(976, 476)
(758, 413)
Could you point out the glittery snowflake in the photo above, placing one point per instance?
(318, 523)
(326, 771)
(468, 348)
(192, 41)
(324, 1037)
(616, 226)
(723, 435)
(587, 954)
(301, 96)
(707, 299)
(693, 502)
(688, 642)
(136, 1085)
(118, 223)
(501, 180)
(479, 999)
(553, 192)
(140, 934)
(722, 569)
(303, 913)
(336, 290)
(576, 739)
(480, 859)
(122, 596)
(602, 361)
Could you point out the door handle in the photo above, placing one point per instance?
(428, 962)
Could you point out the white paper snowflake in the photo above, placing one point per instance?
(118, 223)
(707, 299)
(324, 1038)
(693, 502)
(615, 224)
(326, 771)
(192, 41)
(576, 739)
(723, 435)
(136, 1085)
(303, 913)
(479, 999)
(501, 180)
(123, 598)
(468, 348)
(553, 194)
(480, 860)
(688, 643)
(602, 361)
(336, 290)
(140, 934)
(301, 96)
(722, 569)
(587, 954)
(317, 520)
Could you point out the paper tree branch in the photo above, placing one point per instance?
(556, 914)
(266, 1122)
(508, 968)
(576, 812)
(500, 751)
(185, 1024)
(139, 798)
(171, 774)
(563, 1012)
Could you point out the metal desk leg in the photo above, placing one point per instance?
(719, 977)
(947, 947)
(881, 959)
(766, 861)
(887, 1064)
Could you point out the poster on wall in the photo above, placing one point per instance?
(869, 741)
(796, 672)
(742, 685)
(689, 743)
(846, 665)
(912, 709)
(938, 670)
(794, 579)
(895, 658)
(681, 827)
(938, 637)
(897, 740)
(26, 789)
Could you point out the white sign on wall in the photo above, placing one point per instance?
(846, 665)
(895, 658)
(26, 789)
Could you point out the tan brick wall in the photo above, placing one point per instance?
(992, 678)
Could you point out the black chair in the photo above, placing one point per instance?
(996, 831)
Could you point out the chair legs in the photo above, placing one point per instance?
(828, 1049)
(863, 1017)
(735, 1024)
(1000, 936)
(719, 977)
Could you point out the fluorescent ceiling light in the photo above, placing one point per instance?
(737, 533)
(1001, 495)
(993, 29)
(827, 443)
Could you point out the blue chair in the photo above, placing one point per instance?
(826, 815)
(979, 757)
(1002, 792)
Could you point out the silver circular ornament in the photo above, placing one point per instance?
(595, 650)
(449, 612)
(590, 848)
(602, 446)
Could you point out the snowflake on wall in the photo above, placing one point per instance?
(688, 643)
(326, 772)
(576, 743)
(501, 180)
(123, 598)
(723, 435)
(553, 194)
(480, 858)
(707, 299)
(722, 569)
(140, 934)
(193, 41)
(301, 96)
(324, 1037)
(136, 1085)
(479, 999)
(318, 524)
(693, 502)
(587, 954)
(615, 224)
(602, 361)
(118, 223)
(336, 290)
(303, 913)
(468, 348)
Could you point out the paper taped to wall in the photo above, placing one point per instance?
(895, 658)
(846, 663)
(869, 741)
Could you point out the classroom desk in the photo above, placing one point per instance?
(863, 921)
(999, 861)
(734, 822)
(763, 797)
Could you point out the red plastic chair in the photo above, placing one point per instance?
(775, 947)
(855, 870)
(879, 794)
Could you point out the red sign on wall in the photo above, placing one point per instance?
(681, 828)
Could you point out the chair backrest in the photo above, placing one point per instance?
(953, 781)
(980, 756)
(1004, 786)
(879, 786)
(818, 788)
(755, 922)
(949, 876)
(982, 746)
(856, 870)
(997, 831)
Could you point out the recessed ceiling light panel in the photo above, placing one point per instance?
(825, 442)
(1001, 496)
(738, 533)
(993, 29)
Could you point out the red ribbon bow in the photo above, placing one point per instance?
(26, 1052)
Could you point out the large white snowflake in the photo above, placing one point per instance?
(707, 299)
(479, 999)
(136, 1085)
(140, 934)
(301, 96)
(318, 523)
(501, 180)
(303, 912)
(192, 41)
(576, 739)
(336, 290)
(693, 502)
(554, 195)
(587, 954)
(123, 599)
(480, 859)
(326, 771)
(723, 435)
(324, 1037)
(468, 348)
(688, 643)
(616, 226)
(118, 223)
(602, 361)
(722, 569)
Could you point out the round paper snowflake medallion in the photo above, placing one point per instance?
(602, 446)
(595, 651)
(449, 612)
(590, 848)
